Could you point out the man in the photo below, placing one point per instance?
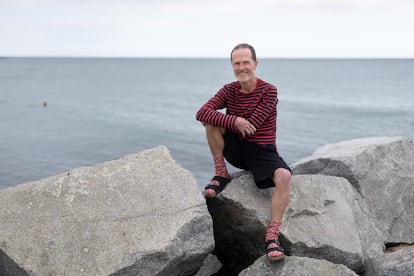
(246, 137)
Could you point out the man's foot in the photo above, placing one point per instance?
(216, 186)
(274, 251)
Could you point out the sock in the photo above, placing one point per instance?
(272, 233)
(273, 230)
(220, 167)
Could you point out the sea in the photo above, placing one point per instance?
(58, 114)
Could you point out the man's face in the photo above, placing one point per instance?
(244, 66)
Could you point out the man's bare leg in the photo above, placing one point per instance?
(280, 200)
(215, 140)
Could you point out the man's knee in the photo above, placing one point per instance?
(210, 127)
(281, 177)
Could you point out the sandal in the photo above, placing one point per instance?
(217, 188)
(277, 248)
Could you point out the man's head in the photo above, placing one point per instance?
(244, 46)
(244, 62)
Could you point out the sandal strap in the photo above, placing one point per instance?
(214, 187)
(278, 247)
(221, 179)
(272, 249)
(223, 183)
(269, 242)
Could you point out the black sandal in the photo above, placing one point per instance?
(278, 248)
(218, 189)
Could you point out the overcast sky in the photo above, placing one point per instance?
(209, 28)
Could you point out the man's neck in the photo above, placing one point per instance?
(248, 86)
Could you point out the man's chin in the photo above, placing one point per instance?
(245, 79)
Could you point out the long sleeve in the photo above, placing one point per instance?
(209, 114)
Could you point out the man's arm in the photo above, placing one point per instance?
(208, 113)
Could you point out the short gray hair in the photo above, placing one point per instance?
(244, 46)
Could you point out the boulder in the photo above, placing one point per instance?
(382, 170)
(240, 215)
(296, 266)
(124, 217)
(326, 219)
(372, 239)
(210, 266)
(400, 262)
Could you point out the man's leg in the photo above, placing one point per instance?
(216, 144)
(215, 140)
(280, 200)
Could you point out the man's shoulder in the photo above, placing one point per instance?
(232, 85)
(265, 85)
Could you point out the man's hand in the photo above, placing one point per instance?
(245, 127)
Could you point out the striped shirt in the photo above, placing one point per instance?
(258, 107)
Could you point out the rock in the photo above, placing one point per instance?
(382, 170)
(372, 239)
(296, 266)
(124, 217)
(240, 215)
(210, 266)
(326, 219)
(400, 262)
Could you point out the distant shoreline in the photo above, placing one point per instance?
(205, 58)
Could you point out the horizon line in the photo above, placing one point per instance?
(192, 57)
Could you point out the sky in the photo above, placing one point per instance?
(209, 28)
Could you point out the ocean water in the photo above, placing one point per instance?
(57, 114)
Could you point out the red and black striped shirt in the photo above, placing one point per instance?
(258, 107)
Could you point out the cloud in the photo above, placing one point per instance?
(205, 28)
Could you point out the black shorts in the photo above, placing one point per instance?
(261, 160)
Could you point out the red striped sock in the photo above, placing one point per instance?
(220, 167)
(273, 230)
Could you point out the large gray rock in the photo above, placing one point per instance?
(210, 266)
(398, 263)
(382, 170)
(124, 217)
(240, 215)
(326, 219)
(372, 239)
(296, 266)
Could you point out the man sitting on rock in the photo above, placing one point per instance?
(246, 137)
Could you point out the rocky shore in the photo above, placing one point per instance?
(351, 212)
